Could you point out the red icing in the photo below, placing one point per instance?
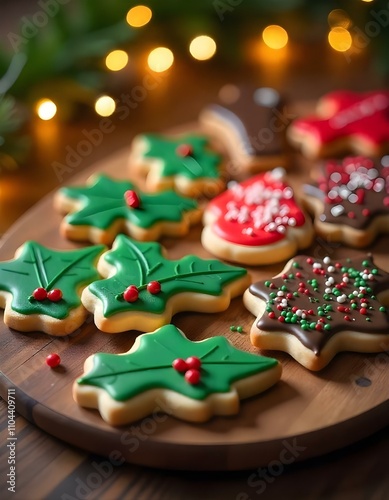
(131, 294)
(54, 295)
(40, 294)
(256, 212)
(132, 199)
(192, 377)
(154, 287)
(362, 115)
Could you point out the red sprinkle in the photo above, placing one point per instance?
(347, 318)
(299, 275)
(341, 309)
(154, 287)
(309, 260)
(192, 377)
(338, 265)
(363, 310)
(180, 365)
(132, 199)
(193, 362)
(54, 295)
(39, 294)
(281, 319)
(53, 360)
(289, 295)
(184, 150)
(351, 215)
(311, 312)
(284, 276)
(272, 315)
(131, 294)
(366, 212)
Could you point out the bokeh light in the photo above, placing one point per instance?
(139, 16)
(105, 105)
(338, 17)
(275, 36)
(202, 47)
(160, 59)
(46, 109)
(340, 39)
(116, 60)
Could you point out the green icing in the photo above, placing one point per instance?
(150, 366)
(38, 266)
(139, 263)
(203, 162)
(103, 202)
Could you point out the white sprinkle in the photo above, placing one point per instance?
(280, 293)
(332, 194)
(372, 173)
(353, 198)
(363, 305)
(341, 298)
(330, 269)
(365, 276)
(316, 265)
(346, 279)
(385, 161)
(379, 185)
(328, 290)
(278, 173)
(335, 176)
(371, 276)
(299, 312)
(355, 293)
(292, 221)
(303, 316)
(281, 229)
(326, 260)
(337, 210)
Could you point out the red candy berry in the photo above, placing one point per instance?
(193, 363)
(154, 287)
(54, 295)
(53, 360)
(131, 294)
(132, 199)
(180, 365)
(192, 377)
(39, 294)
(184, 150)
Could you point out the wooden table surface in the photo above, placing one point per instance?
(48, 468)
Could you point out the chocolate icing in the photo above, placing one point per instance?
(373, 321)
(258, 121)
(356, 178)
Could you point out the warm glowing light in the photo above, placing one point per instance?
(160, 59)
(46, 109)
(275, 36)
(340, 39)
(116, 60)
(139, 16)
(105, 105)
(202, 47)
(367, 1)
(338, 17)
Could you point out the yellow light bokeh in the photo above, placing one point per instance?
(46, 109)
(340, 39)
(116, 60)
(367, 1)
(338, 17)
(202, 47)
(275, 36)
(139, 16)
(105, 105)
(160, 59)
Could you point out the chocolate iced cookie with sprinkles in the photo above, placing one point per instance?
(316, 308)
(350, 200)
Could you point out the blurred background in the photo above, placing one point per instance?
(79, 78)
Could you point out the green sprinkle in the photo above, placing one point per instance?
(327, 327)
(291, 276)
(283, 313)
(304, 326)
(344, 269)
(354, 306)
(272, 295)
(351, 296)
(326, 296)
(269, 309)
(382, 309)
(374, 271)
(312, 325)
(328, 307)
(267, 283)
(295, 294)
(239, 329)
(233, 328)
(284, 288)
(365, 263)
(296, 265)
(368, 319)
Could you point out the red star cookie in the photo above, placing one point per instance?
(345, 122)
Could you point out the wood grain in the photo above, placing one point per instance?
(317, 412)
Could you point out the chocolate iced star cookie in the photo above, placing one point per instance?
(316, 308)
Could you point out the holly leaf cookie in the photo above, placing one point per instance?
(143, 289)
(350, 200)
(164, 371)
(106, 207)
(185, 164)
(40, 289)
(256, 222)
(316, 308)
(345, 122)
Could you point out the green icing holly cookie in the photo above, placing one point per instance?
(106, 207)
(191, 380)
(143, 290)
(40, 289)
(186, 164)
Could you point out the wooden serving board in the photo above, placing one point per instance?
(304, 415)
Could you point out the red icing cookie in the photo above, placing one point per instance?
(256, 222)
(350, 200)
(345, 122)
